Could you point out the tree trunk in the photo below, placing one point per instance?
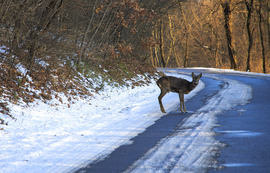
(161, 45)
(83, 44)
(186, 52)
(268, 23)
(217, 62)
(249, 32)
(186, 34)
(226, 11)
(261, 36)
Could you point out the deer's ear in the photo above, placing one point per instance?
(200, 75)
(192, 74)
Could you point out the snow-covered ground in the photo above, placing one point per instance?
(60, 139)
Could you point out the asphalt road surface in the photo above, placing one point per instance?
(245, 130)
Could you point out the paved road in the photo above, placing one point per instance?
(245, 130)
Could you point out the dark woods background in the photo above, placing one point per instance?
(210, 33)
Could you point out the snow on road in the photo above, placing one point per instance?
(191, 147)
(60, 139)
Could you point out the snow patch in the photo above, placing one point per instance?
(3, 49)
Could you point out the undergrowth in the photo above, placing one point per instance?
(49, 78)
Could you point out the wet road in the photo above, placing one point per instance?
(245, 130)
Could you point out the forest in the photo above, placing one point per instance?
(45, 43)
(212, 33)
(231, 34)
(177, 33)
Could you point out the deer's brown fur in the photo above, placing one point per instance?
(177, 85)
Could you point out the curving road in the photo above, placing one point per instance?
(227, 129)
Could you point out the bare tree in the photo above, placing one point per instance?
(161, 44)
(227, 11)
(268, 22)
(249, 7)
(262, 35)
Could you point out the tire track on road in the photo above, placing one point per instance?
(193, 146)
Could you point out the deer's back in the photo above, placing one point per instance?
(173, 84)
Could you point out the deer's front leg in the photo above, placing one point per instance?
(183, 99)
(182, 102)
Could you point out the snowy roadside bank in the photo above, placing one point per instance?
(58, 139)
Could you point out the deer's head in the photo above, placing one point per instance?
(196, 79)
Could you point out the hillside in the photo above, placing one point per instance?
(62, 81)
(68, 50)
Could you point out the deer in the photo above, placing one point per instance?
(177, 85)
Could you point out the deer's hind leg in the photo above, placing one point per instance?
(162, 94)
